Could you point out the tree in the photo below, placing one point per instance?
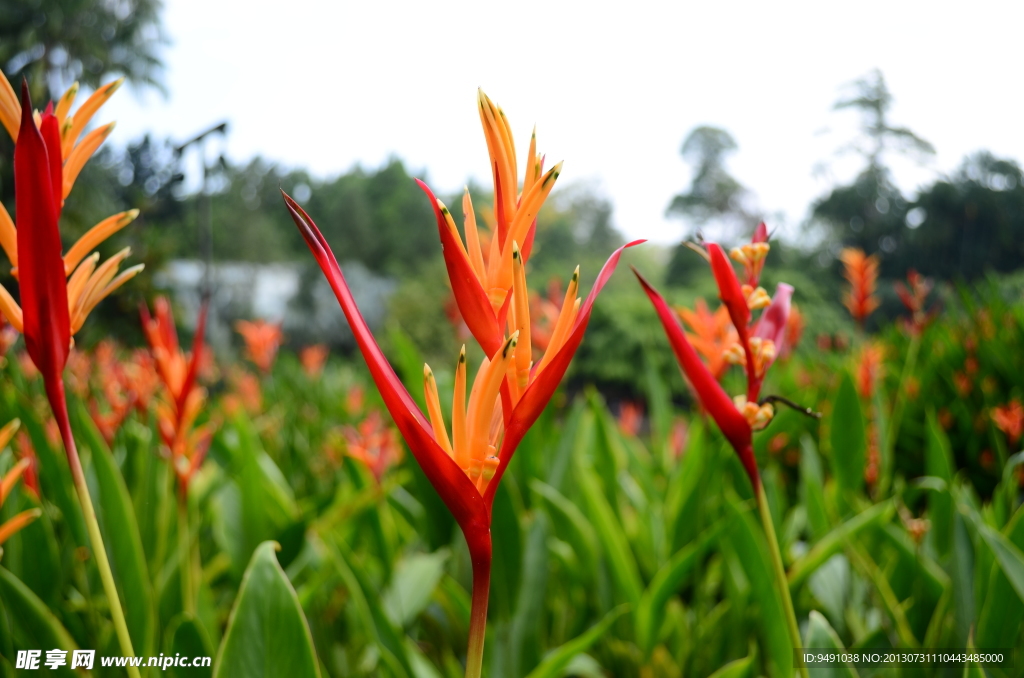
(56, 42)
(870, 213)
(714, 195)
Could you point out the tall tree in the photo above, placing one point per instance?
(870, 212)
(714, 196)
(56, 42)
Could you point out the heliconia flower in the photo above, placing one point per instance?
(262, 339)
(510, 390)
(246, 393)
(373, 443)
(186, 442)
(313, 359)
(914, 296)
(861, 271)
(869, 366)
(631, 416)
(1009, 419)
(755, 347)
(712, 334)
(63, 289)
(8, 481)
(26, 452)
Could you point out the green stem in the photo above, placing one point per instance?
(480, 553)
(781, 581)
(188, 599)
(897, 415)
(58, 403)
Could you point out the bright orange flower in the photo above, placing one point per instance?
(869, 366)
(7, 483)
(374, 443)
(246, 394)
(862, 272)
(914, 296)
(53, 153)
(313, 359)
(631, 416)
(510, 390)
(262, 339)
(712, 334)
(354, 400)
(1009, 419)
(183, 399)
(794, 331)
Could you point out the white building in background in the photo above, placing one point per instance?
(296, 293)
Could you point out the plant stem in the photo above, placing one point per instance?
(897, 415)
(188, 599)
(58, 403)
(480, 553)
(781, 580)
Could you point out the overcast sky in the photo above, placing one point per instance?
(326, 85)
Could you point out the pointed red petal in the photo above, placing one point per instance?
(729, 288)
(458, 492)
(44, 292)
(50, 131)
(760, 233)
(536, 396)
(715, 400)
(194, 360)
(470, 296)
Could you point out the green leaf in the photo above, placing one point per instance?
(33, 620)
(812, 483)
(116, 515)
(837, 539)
(559, 658)
(939, 464)
(738, 668)
(651, 611)
(187, 637)
(526, 641)
(749, 543)
(820, 635)
(267, 633)
(570, 523)
(507, 560)
(1009, 558)
(412, 585)
(848, 437)
(1003, 610)
(610, 534)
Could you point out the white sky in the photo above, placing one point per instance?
(613, 89)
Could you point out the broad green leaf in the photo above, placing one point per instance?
(837, 539)
(116, 515)
(559, 658)
(847, 435)
(812, 482)
(267, 633)
(739, 668)
(830, 585)
(821, 636)
(413, 581)
(31, 554)
(34, 622)
(1003, 610)
(1007, 555)
(650, 612)
(610, 534)
(748, 540)
(939, 464)
(186, 636)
